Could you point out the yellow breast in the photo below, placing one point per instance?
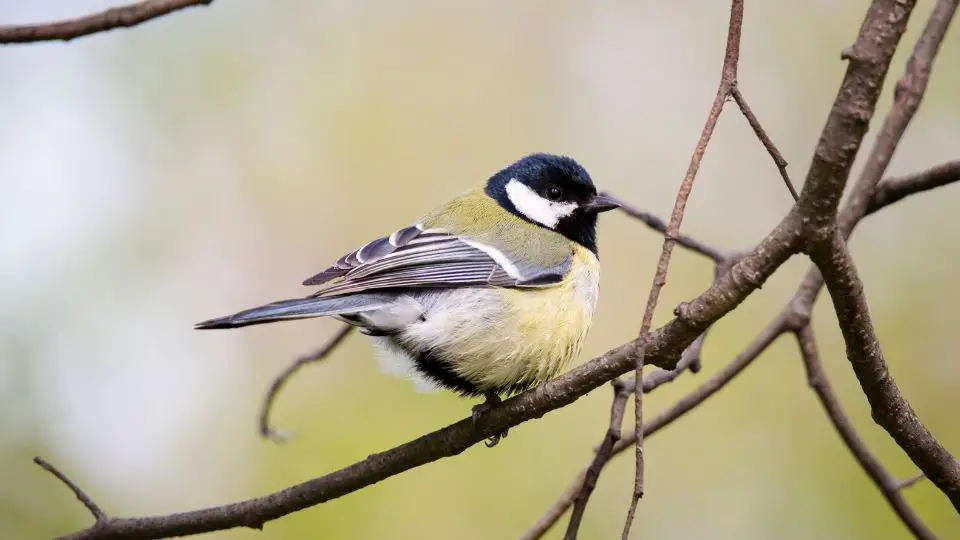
(539, 332)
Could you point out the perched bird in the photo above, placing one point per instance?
(491, 293)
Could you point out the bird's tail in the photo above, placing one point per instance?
(299, 308)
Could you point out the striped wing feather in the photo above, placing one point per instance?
(418, 257)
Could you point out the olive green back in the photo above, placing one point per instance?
(481, 218)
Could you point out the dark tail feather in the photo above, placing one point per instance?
(298, 308)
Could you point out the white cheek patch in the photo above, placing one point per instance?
(535, 207)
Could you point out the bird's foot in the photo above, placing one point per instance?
(480, 410)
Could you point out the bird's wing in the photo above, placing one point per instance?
(419, 257)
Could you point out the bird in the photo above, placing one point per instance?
(489, 294)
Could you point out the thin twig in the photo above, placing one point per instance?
(892, 190)
(117, 17)
(765, 139)
(266, 430)
(728, 80)
(657, 224)
(98, 514)
(690, 359)
(910, 482)
(886, 483)
(621, 392)
(622, 388)
(655, 379)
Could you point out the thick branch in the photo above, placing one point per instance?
(907, 98)
(869, 59)
(888, 485)
(888, 406)
(117, 17)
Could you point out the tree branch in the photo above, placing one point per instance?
(98, 514)
(909, 482)
(621, 391)
(117, 17)
(728, 81)
(683, 240)
(696, 397)
(888, 407)
(315, 356)
(869, 59)
(886, 483)
(894, 189)
(765, 139)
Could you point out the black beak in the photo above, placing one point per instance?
(601, 202)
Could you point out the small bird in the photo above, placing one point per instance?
(489, 294)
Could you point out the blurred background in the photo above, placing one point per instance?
(211, 160)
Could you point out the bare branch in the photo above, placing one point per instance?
(869, 59)
(98, 514)
(558, 508)
(696, 397)
(892, 190)
(683, 240)
(654, 380)
(909, 482)
(888, 485)
(888, 406)
(266, 430)
(909, 93)
(621, 391)
(117, 17)
(728, 80)
(691, 359)
(765, 139)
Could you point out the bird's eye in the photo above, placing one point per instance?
(553, 193)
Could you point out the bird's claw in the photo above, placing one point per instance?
(483, 408)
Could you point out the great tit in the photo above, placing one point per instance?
(487, 295)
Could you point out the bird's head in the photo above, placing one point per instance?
(554, 192)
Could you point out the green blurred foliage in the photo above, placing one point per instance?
(212, 160)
